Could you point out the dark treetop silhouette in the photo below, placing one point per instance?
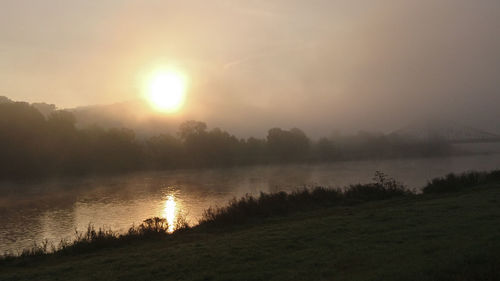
(33, 145)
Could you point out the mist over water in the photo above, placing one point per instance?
(53, 210)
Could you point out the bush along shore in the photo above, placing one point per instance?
(251, 208)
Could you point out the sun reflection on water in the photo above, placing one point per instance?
(169, 212)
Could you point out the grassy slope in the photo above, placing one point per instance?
(452, 236)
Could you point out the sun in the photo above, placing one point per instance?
(166, 90)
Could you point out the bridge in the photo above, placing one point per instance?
(448, 131)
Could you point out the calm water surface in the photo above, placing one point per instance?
(54, 210)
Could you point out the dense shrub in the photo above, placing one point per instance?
(453, 182)
(282, 203)
(92, 238)
(383, 187)
(270, 204)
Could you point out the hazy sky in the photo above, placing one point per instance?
(316, 64)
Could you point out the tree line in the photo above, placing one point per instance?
(34, 145)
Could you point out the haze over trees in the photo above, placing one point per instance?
(35, 145)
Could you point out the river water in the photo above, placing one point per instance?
(53, 210)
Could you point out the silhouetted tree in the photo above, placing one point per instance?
(21, 133)
(254, 151)
(192, 129)
(325, 150)
(288, 145)
(165, 151)
(32, 145)
(4, 99)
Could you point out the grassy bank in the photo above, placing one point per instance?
(448, 235)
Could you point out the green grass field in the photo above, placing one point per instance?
(449, 236)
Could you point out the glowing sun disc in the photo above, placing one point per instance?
(166, 91)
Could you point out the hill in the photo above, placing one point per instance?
(135, 115)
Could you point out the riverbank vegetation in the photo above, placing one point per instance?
(451, 235)
(36, 145)
(251, 208)
(281, 203)
(237, 211)
(453, 182)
